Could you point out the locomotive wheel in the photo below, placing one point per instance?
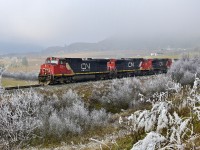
(47, 82)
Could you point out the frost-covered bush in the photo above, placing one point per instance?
(160, 83)
(124, 91)
(14, 61)
(147, 119)
(76, 119)
(2, 70)
(27, 114)
(67, 114)
(21, 75)
(184, 70)
(129, 92)
(174, 86)
(152, 141)
(118, 94)
(164, 127)
(193, 100)
(19, 117)
(70, 115)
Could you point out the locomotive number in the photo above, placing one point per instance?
(130, 64)
(85, 66)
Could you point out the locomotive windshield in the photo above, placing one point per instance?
(51, 61)
(62, 62)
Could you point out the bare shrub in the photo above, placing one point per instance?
(157, 122)
(2, 70)
(13, 61)
(25, 115)
(120, 93)
(21, 75)
(184, 70)
(129, 92)
(158, 84)
(121, 90)
(74, 117)
(19, 117)
(152, 141)
(167, 129)
(99, 118)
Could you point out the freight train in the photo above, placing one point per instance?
(65, 70)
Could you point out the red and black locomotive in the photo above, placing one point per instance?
(65, 70)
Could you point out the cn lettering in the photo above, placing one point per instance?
(130, 64)
(85, 66)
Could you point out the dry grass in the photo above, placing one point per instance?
(9, 82)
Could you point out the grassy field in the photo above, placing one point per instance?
(9, 82)
(120, 54)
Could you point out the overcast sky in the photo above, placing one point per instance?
(59, 22)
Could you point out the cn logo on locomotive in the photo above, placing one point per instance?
(130, 64)
(161, 63)
(85, 66)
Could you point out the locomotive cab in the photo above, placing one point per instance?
(51, 60)
(55, 70)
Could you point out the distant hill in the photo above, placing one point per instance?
(109, 44)
(127, 44)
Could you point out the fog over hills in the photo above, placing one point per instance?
(112, 43)
(8, 48)
(127, 44)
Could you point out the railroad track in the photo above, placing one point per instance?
(23, 87)
(40, 85)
